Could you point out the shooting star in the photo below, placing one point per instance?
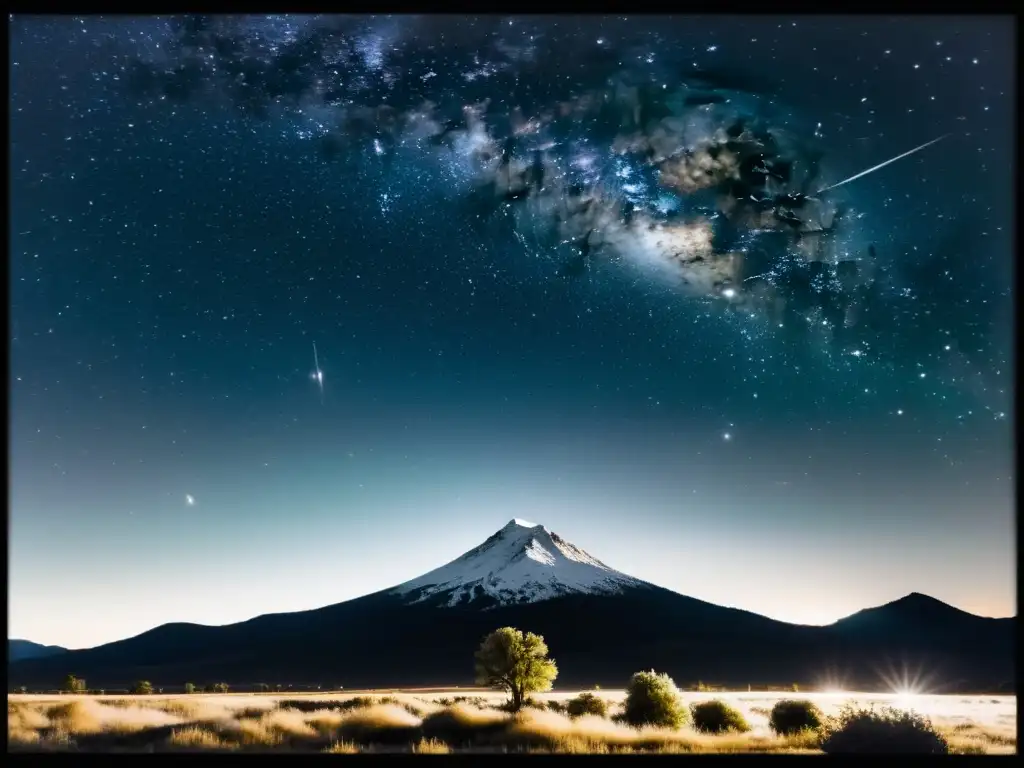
(318, 375)
(881, 165)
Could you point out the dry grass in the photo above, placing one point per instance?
(195, 738)
(974, 739)
(342, 748)
(380, 724)
(432, 724)
(431, 747)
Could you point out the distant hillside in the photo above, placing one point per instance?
(601, 625)
(26, 649)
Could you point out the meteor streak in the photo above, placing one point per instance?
(318, 375)
(881, 165)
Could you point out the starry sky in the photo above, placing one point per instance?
(579, 271)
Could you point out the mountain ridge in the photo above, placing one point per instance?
(599, 631)
(26, 649)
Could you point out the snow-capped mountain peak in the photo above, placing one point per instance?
(522, 563)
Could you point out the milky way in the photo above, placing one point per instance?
(595, 154)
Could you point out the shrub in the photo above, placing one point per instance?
(586, 704)
(190, 687)
(717, 717)
(220, 688)
(888, 730)
(790, 716)
(142, 688)
(557, 706)
(516, 662)
(653, 699)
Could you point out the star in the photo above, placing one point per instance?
(190, 500)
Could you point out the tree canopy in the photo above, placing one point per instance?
(516, 662)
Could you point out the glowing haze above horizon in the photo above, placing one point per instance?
(180, 241)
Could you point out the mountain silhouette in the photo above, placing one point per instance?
(601, 626)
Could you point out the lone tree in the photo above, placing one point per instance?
(73, 684)
(515, 662)
(190, 687)
(142, 688)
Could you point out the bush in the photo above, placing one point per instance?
(888, 730)
(557, 706)
(190, 687)
(790, 716)
(586, 704)
(142, 688)
(653, 699)
(717, 717)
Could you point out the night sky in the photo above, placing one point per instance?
(517, 307)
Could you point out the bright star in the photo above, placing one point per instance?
(190, 499)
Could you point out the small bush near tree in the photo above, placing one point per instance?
(790, 716)
(717, 717)
(586, 704)
(516, 662)
(888, 730)
(653, 699)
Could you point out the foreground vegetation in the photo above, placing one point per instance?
(439, 724)
(653, 716)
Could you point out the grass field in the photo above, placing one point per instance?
(440, 722)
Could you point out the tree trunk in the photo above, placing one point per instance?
(517, 699)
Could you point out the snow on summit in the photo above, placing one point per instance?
(521, 563)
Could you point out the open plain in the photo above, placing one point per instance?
(451, 721)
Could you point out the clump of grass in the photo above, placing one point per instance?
(557, 706)
(325, 720)
(586, 704)
(461, 725)
(866, 731)
(194, 737)
(575, 745)
(254, 733)
(717, 717)
(342, 748)
(76, 717)
(288, 722)
(790, 716)
(23, 726)
(431, 747)
(381, 723)
(356, 702)
(26, 716)
(474, 701)
(973, 739)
